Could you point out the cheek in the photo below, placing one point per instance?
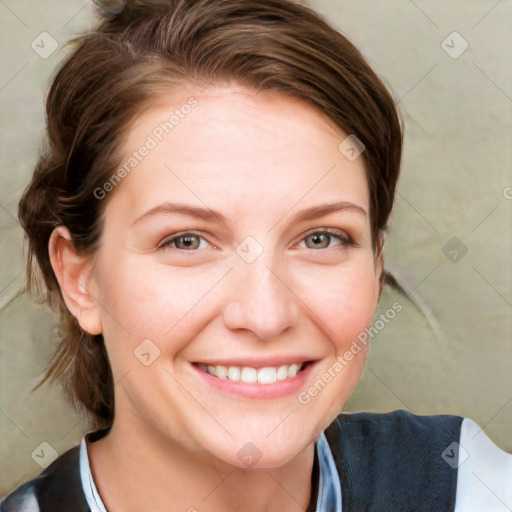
(345, 303)
(140, 300)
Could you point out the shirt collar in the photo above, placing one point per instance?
(91, 493)
(329, 487)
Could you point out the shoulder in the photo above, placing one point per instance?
(396, 420)
(57, 488)
(401, 458)
(23, 499)
(398, 436)
(485, 472)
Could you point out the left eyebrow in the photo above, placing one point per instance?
(324, 209)
(315, 212)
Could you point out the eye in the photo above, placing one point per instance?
(188, 241)
(326, 238)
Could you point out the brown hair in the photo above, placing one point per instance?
(116, 70)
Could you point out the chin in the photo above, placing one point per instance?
(250, 457)
(259, 450)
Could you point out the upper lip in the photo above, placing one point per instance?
(257, 362)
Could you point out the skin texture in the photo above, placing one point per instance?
(257, 159)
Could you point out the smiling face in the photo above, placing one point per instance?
(234, 267)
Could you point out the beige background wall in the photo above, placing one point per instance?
(450, 349)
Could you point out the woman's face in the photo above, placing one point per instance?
(237, 248)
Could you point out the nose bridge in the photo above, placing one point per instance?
(259, 299)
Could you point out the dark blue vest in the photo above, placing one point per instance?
(392, 462)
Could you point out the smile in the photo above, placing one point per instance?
(249, 375)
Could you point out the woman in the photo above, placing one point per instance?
(208, 216)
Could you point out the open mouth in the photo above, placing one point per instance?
(250, 375)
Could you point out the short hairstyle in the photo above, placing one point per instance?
(135, 55)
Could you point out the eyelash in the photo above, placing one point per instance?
(344, 238)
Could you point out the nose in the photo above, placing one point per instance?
(260, 300)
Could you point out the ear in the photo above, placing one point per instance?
(76, 280)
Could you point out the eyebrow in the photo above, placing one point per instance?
(324, 209)
(208, 214)
(183, 209)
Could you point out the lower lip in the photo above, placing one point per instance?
(257, 391)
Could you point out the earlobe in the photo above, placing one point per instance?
(74, 274)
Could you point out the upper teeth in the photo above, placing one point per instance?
(267, 375)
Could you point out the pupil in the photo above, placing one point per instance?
(320, 239)
(188, 241)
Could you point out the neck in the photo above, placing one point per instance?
(136, 470)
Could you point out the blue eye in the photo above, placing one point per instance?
(323, 239)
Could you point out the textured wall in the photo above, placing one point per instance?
(449, 248)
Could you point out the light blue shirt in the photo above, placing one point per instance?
(329, 489)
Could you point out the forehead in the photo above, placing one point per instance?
(229, 144)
